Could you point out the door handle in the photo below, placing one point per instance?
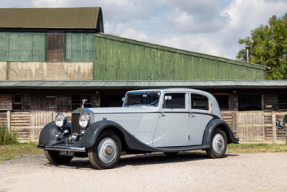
(162, 114)
(191, 115)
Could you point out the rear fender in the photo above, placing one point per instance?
(211, 126)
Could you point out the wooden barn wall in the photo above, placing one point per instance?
(23, 46)
(5, 102)
(55, 49)
(122, 59)
(41, 106)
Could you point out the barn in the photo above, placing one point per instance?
(52, 58)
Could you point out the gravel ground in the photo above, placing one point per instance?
(154, 172)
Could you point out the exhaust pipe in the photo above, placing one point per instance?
(247, 54)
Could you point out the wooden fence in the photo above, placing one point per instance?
(251, 126)
(29, 124)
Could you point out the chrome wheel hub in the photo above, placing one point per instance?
(218, 143)
(107, 150)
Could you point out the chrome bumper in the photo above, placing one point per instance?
(62, 148)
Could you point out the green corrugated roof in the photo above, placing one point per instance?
(74, 18)
(145, 84)
(180, 51)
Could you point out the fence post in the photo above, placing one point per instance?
(274, 127)
(234, 121)
(8, 121)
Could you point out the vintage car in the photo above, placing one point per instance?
(152, 120)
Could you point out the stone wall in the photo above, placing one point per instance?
(3, 71)
(26, 71)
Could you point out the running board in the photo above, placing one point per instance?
(185, 148)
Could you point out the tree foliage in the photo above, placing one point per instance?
(268, 46)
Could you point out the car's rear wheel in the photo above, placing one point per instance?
(218, 144)
(57, 159)
(106, 151)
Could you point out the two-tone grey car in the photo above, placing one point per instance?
(152, 120)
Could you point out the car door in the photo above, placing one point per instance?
(199, 117)
(172, 124)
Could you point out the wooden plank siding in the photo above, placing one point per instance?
(118, 58)
(55, 50)
(5, 102)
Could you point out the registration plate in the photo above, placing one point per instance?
(67, 153)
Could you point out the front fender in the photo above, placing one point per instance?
(93, 132)
(212, 125)
(47, 135)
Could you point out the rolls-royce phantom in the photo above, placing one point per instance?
(151, 120)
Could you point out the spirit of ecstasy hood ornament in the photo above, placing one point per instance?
(84, 101)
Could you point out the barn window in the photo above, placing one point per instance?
(17, 102)
(248, 102)
(222, 100)
(282, 101)
(112, 100)
(199, 102)
(177, 101)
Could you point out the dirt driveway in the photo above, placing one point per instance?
(154, 172)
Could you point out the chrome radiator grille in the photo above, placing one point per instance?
(75, 123)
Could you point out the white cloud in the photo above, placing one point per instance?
(195, 43)
(50, 3)
(134, 34)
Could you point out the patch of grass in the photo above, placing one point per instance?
(8, 152)
(7, 138)
(256, 148)
(20, 148)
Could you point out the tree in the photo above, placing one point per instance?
(268, 46)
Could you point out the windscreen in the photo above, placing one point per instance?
(142, 99)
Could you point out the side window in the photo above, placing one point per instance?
(199, 102)
(177, 101)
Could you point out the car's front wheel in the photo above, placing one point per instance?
(218, 144)
(106, 151)
(57, 159)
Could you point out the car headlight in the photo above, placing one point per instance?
(60, 120)
(84, 120)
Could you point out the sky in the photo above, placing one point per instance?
(206, 26)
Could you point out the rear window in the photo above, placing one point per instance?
(199, 102)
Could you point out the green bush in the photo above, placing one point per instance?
(7, 138)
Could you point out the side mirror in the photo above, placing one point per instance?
(166, 98)
(123, 98)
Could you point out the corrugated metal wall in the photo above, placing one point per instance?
(36, 47)
(22, 46)
(79, 47)
(123, 59)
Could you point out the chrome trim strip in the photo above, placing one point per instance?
(63, 148)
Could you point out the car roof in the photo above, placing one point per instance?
(173, 90)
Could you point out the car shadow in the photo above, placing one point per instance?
(141, 159)
(160, 158)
